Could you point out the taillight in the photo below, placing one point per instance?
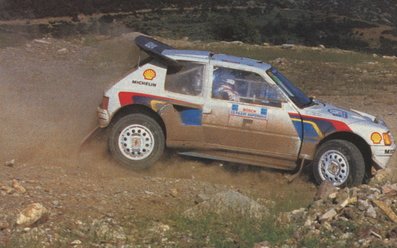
(104, 103)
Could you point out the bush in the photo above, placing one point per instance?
(235, 27)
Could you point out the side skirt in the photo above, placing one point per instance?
(243, 159)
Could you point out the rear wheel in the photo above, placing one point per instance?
(340, 162)
(136, 140)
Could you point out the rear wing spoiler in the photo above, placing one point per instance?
(154, 48)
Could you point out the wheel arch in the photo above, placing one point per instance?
(355, 139)
(139, 108)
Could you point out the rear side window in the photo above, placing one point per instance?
(187, 81)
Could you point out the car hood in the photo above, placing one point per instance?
(329, 111)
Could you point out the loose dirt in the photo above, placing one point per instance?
(49, 91)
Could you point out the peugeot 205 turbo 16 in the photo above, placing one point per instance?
(241, 110)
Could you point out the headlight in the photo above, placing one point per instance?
(387, 139)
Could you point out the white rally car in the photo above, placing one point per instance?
(228, 108)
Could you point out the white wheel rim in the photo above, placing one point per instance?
(334, 167)
(136, 142)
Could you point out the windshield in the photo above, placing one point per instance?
(293, 92)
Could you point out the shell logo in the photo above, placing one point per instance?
(149, 74)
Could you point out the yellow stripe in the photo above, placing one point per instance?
(314, 125)
(154, 103)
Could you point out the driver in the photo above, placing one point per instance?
(227, 91)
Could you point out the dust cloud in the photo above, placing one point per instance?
(49, 92)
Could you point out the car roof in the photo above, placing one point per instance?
(197, 55)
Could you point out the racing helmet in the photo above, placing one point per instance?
(230, 81)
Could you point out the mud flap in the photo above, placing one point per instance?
(91, 134)
(291, 178)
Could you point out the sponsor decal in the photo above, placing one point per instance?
(150, 84)
(249, 111)
(338, 113)
(150, 45)
(389, 151)
(149, 74)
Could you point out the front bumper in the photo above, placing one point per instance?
(103, 117)
(382, 154)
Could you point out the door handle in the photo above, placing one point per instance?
(207, 110)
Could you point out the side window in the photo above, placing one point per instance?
(243, 86)
(188, 80)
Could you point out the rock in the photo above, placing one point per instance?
(63, 51)
(389, 57)
(174, 192)
(42, 41)
(348, 201)
(380, 176)
(333, 195)
(328, 215)
(6, 189)
(321, 46)
(31, 214)
(389, 189)
(148, 192)
(160, 228)
(229, 201)
(76, 242)
(356, 212)
(107, 231)
(371, 212)
(265, 44)
(343, 196)
(237, 42)
(263, 244)
(326, 188)
(287, 46)
(363, 205)
(18, 187)
(55, 203)
(10, 163)
(200, 198)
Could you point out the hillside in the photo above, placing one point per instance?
(355, 25)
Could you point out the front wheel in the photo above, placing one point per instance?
(340, 162)
(136, 140)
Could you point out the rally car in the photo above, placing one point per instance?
(234, 109)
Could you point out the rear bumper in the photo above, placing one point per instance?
(382, 154)
(103, 117)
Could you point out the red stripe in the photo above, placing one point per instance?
(126, 98)
(338, 125)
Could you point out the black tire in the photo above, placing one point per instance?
(146, 135)
(340, 162)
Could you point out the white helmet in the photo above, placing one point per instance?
(230, 81)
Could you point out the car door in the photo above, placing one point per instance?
(252, 117)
